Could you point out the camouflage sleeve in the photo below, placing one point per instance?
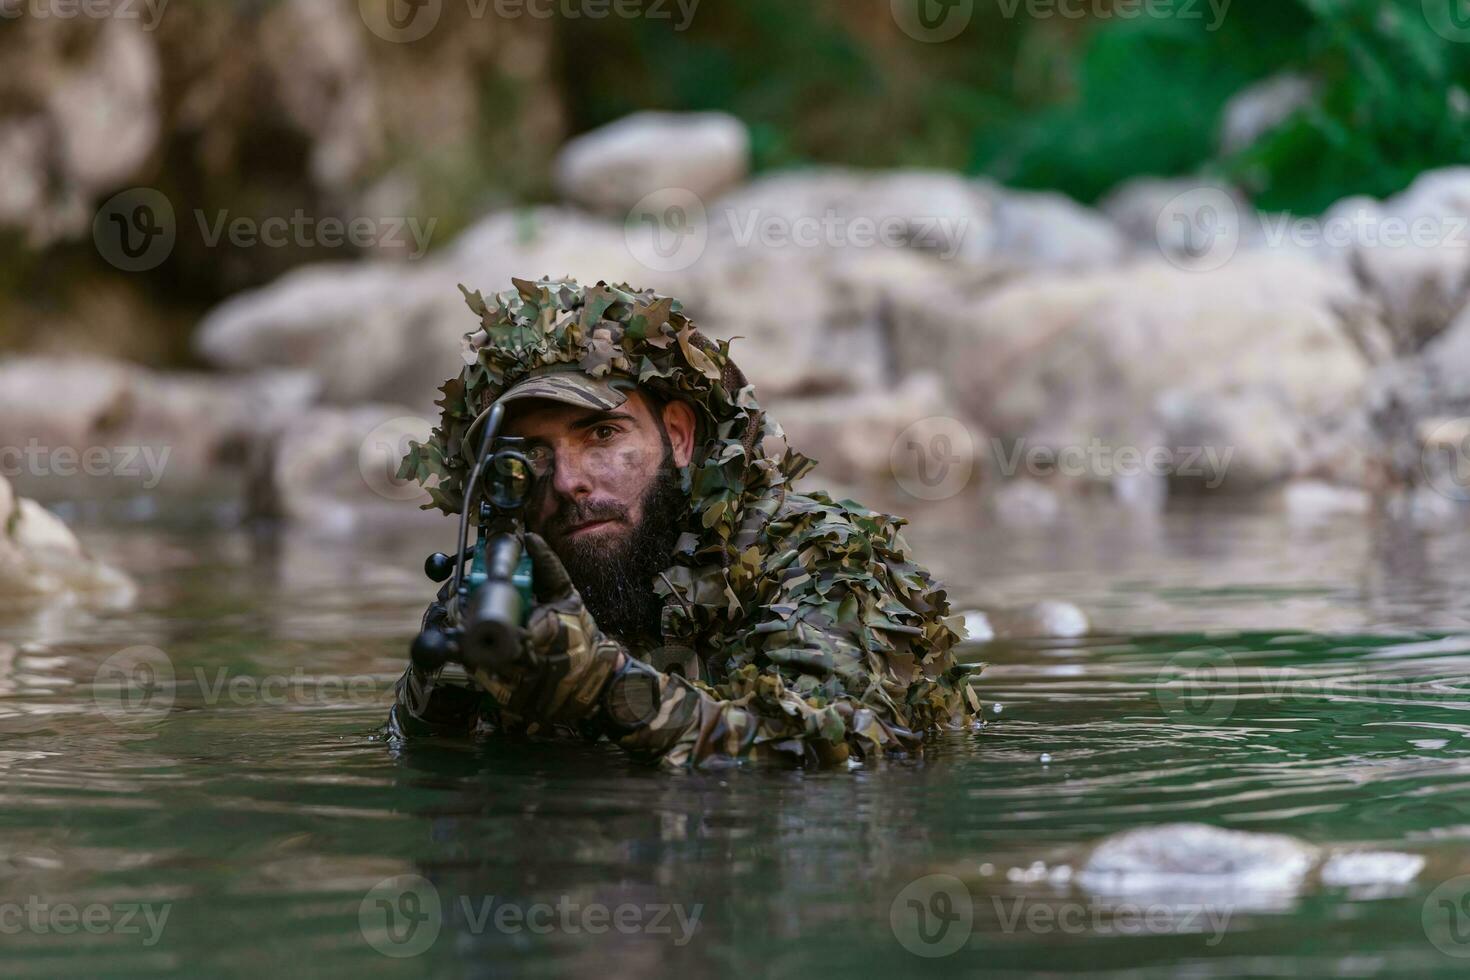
(848, 656)
(440, 702)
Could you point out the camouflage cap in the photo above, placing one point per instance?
(565, 383)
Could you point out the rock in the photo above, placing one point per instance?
(835, 210)
(1219, 379)
(1049, 231)
(1255, 111)
(1315, 500)
(1357, 869)
(1184, 219)
(40, 559)
(82, 426)
(856, 437)
(1411, 252)
(611, 169)
(1023, 502)
(388, 331)
(334, 471)
(1185, 859)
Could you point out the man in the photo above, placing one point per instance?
(690, 603)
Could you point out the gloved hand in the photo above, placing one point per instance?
(566, 660)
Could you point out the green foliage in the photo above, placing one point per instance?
(1052, 102)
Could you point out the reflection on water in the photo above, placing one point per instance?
(1245, 672)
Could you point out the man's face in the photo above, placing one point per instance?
(609, 503)
(602, 465)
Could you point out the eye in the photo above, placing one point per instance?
(539, 457)
(604, 432)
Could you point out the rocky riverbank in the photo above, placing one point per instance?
(921, 333)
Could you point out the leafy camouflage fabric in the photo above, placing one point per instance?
(794, 626)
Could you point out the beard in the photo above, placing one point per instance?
(615, 578)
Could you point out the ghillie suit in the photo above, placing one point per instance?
(793, 625)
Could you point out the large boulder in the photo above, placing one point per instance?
(612, 168)
(40, 559)
(390, 332)
(1247, 360)
(83, 426)
(334, 471)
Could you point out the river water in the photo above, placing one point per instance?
(197, 786)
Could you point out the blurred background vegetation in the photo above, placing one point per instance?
(469, 119)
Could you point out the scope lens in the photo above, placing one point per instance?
(511, 483)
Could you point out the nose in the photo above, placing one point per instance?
(570, 478)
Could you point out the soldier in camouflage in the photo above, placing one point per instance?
(669, 547)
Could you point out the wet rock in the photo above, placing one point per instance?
(1196, 859)
(41, 559)
(612, 168)
(1370, 868)
(1025, 502)
(83, 426)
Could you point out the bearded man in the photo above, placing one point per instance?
(675, 565)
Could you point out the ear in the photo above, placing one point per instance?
(679, 423)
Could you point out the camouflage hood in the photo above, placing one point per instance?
(606, 331)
